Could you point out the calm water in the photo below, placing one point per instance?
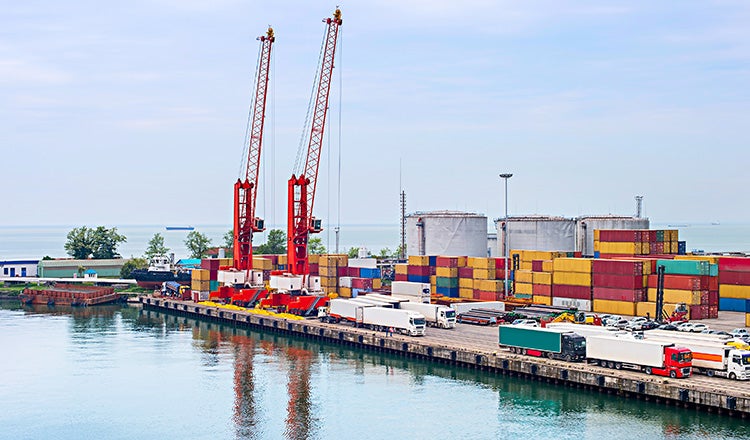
(122, 373)
(34, 242)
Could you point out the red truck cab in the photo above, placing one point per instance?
(678, 363)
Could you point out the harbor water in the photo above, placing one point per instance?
(120, 372)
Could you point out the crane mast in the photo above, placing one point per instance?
(245, 191)
(301, 190)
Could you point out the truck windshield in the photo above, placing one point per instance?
(685, 357)
(418, 321)
(450, 314)
(745, 359)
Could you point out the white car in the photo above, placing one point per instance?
(740, 333)
(698, 327)
(685, 326)
(526, 322)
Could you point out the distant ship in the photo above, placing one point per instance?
(180, 228)
(159, 271)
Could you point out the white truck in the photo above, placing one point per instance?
(420, 292)
(436, 315)
(402, 321)
(341, 309)
(711, 356)
(652, 357)
(490, 305)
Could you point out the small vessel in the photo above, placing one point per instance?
(160, 270)
(180, 228)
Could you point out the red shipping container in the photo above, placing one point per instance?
(629, 295)
(578, 254)
(401, 277)
(709, 283)
(617, 281)
(446, 261)
(657, 248)
(210, 264)
(734, 264)
(423, 271)
(500, 263)
(537, 265)
(620, 267)
(362, 283)
(342, 271)
(314, 269)
(704, 297)
(696, 313)
(466, 272)
(713, 298)
(678, 282)
(575, 292)
(541, 289)
(615, 256)
(736, 278)
(620, 235)
(649, 235)
(713, 312)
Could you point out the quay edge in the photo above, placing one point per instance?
(651, 388)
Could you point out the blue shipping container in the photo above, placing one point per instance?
(369, 273)
(433, 260)
(418, 278)
(448, 291)
(747, 306)
(732, 305)
(681, 248)
(596, 254)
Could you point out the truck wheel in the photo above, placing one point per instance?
(648, 370)
(523, 351)
(618, 366)
(568, 357)
(710, 373)
(732, 376)
(550, 355)
(672, 374)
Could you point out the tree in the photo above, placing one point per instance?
(353, 252)
(276, 243)
(131, 265)
(156, 246)
(385, 253)
(229, 239)
(197, 244)
(315, 246)
(99, 243)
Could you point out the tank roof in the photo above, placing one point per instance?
(445, 214)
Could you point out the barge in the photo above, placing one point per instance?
(69, 295)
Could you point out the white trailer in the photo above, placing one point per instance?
(365, 299)
(585, 330)
(390, 299)
(711, 356)
(341, 309)
(402, 321)
(436, 315)
(653, 357)
(490, 305)
(411, 289)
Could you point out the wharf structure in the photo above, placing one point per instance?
(703, 393)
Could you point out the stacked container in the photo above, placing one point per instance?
(734, 283)
(401, 272)
(446, 274)
(485, 271)
(419, 269)
(617, 285)
(328, 267)
(689, 282)
(610, 243)
(541, 279)
(571, 283)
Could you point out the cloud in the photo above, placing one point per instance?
(19, 71)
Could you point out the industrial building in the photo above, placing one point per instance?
(446, 233)
(18, 268)
(70, 268)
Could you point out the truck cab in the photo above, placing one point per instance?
(573, 347)
(417, 324)
(738, 364)
(678, 362)
(447, 317)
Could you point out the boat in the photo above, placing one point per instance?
(69, 295)
(180, 228)
(160, 270)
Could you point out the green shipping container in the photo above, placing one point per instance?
(446, 282)
(213, 285)
(532, 338)
(660, 235)
(687, 267)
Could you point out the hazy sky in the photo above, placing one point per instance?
(135, 112)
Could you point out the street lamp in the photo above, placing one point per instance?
(506, 176)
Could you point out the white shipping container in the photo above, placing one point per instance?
(583, 305)
(230, 277)
(465, 307)
(626, 351)
(345, 282)
(410, 288)
(363, 263)
(286, 282)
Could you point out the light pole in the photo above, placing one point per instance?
(506, 176)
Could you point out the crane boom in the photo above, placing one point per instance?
(302, 188)
(245, 191)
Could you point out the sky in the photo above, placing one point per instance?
(135, 112)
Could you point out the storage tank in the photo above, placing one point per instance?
(446, 233)
(586, 225)
(539, 233)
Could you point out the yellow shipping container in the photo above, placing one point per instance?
(402, 269)
(523, 265)
(345, 292)
(597, 246)
(571, 278)
(582, 265)
(545, 300)
(478, 284)
(491, 285)
(596, 234)
(674, 247)
(377, 283)
(520, 252)
(732, 291)
(649, 309)
(482, 263)
(484, 274)
(312, 259)
(200, 275)
(447, 272)
(616, 247)
(465, 293)
(419, 260)
(334, 260)
(524, 276)
(467, 283)
(672, 234)
(548, 266)
(202, 286)
(674, 296)
(226, 262)
(462, 261)
(645, 248)
(614, 307)
(260, 263)
(326, 271)
(525, 288)
(282, 259)
(747, 319)
(710, 258)
(542, 278)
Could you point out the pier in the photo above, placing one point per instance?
(476, 348)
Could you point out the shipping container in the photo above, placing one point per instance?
(523, 276)
(736, 278)
(582, 265)
(614, 307)
(617, 281)
(571, 278)
(732, 304)
(629, 295)
(618, 267)
(542, 278)
(541, 289)
(734, 264)
(580, 304)
(733, 291)
(576, 292)
(687, 267)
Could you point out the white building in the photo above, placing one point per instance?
(18, 268)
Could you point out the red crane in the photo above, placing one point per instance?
(245, 192)
(301, 222)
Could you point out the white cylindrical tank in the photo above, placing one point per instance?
(446, 233)
(586, 225)
(539, 233)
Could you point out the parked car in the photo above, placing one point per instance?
(685, 326)
(610, 320)
(649, 325)
(619, 324)
(669, 327)
(698, 327)
(740, 332)
(636, 323)
(528, 322)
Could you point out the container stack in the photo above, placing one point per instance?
(313, 261)
(541, 279)
(523, 276)
(689, 282)
(734, 283)
(446, 275)
(466, 282)
(613, 243)
(618, 285)
(419, 269)
(486, 285)
(200, 284)
(263, 264)
(212, 265)
(328, 267)
(401, 272)
(571, 283)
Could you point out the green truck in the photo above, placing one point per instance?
(542, 342)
